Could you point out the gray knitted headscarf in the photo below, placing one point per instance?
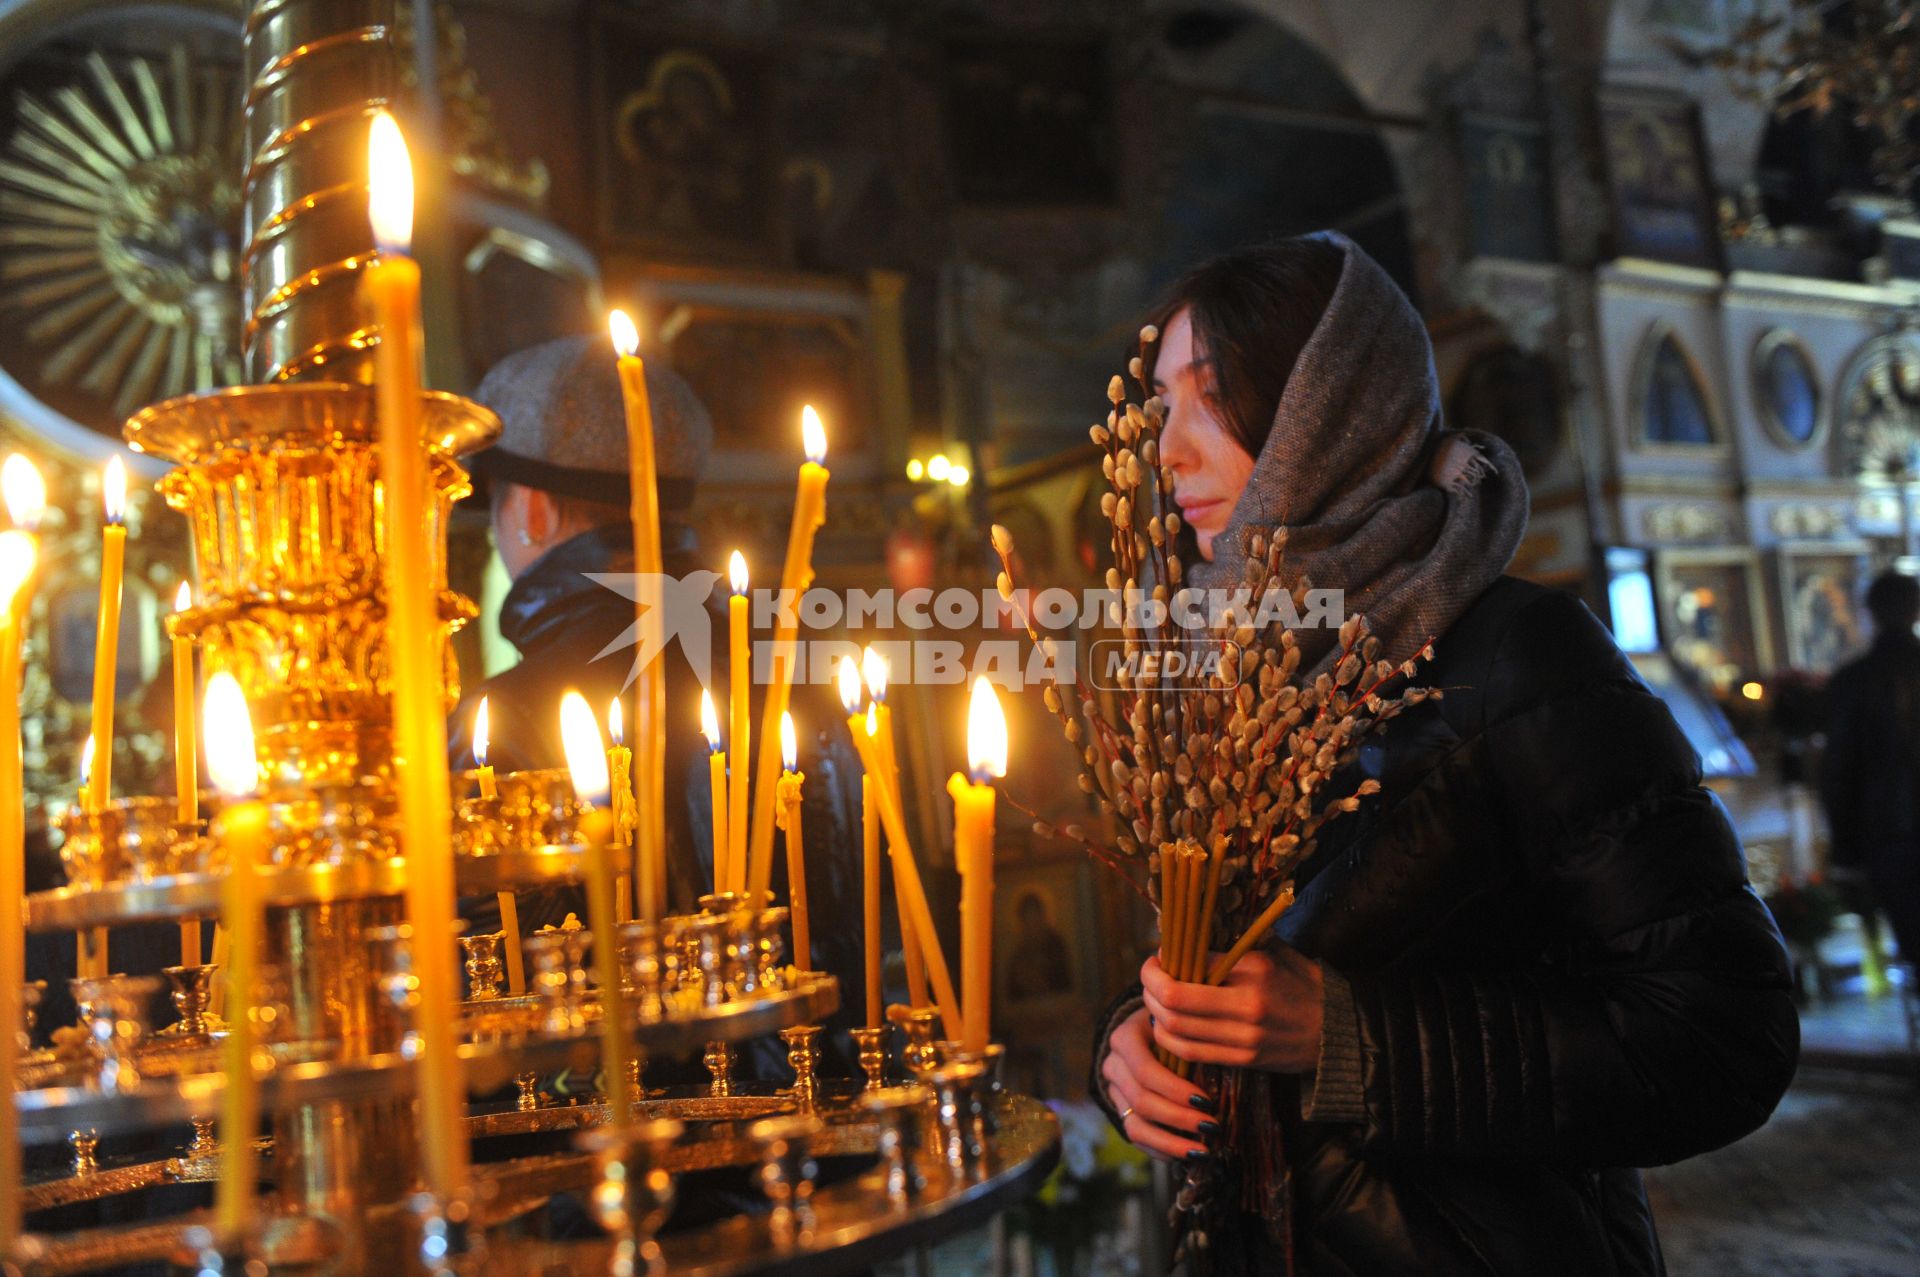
(1410, 520)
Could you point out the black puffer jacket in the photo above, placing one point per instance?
(1558, 971)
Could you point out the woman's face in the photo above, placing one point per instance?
(1210, 469)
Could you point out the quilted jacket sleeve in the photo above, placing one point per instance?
(1659, 1024)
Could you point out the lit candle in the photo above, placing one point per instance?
(650, 692)
(186, 752)
(620, 774)
(414, 657)
(508, 902)
(911, 895)
(717, 780)
(874, 670)
(870, 897)
(796, 574)
(17, 552)
(973, 798)
(25, 493)
(242, 828)
(788, 815)
(739, 732)
(106, 637)
(90, 943)
(587, 762)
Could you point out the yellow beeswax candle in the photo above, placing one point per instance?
(788, 815)
(870, 898)
(717, 781)
(973, 802)
(392, 287)
(186, 752)
(625, 818)
(106, 635)
(587, 762)
(650, 690)
(875, 671)
(17, 553)
(739, 730)
(508, 903)
(244, 831)
(796, 574)
(911, 892)
(916, 970)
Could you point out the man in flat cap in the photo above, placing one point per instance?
(560, 493)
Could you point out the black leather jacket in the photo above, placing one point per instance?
(560, 620)
(1559, 971)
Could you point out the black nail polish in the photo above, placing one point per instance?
(1198, 1155)
(1209, 1129)
(1202, 1102)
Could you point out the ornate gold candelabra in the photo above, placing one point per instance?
(279, 484)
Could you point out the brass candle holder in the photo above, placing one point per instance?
(191, 989)
(787, 1172)
(803, 1057)
(633, 1192)
(872, 1047)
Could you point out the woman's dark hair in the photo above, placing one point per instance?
(1252, 312)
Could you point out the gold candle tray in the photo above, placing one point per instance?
(128, 901)
(49, 1113)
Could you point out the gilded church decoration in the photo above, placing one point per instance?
(119, 207)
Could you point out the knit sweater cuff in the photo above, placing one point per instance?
(1335, 1092)
(1122, 1007)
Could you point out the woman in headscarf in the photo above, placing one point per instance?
(1534, 964)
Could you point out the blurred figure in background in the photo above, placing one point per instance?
(1870, 779)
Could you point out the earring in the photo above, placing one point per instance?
(525, 540)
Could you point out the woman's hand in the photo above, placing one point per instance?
(1265, 1016)
(1165, 1115)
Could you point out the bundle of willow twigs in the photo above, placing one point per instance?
(1221, 783)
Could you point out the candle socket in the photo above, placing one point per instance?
(559, 978)
(192, 994)
(85, 1145)
(991, 1063)
(922, 1053)
(960, 1112)
(202, 1145)
(898, 1111)
(483, 965)
(770, 947)
(634, 1192)
(803, 1057)
(30, 995)
(529, 810)
(720, 1058)
(642, 969)
(787, 1171)
(872, 1047)
(115, 1010)
(527, 1087)
(133, 839)
(636, 1078)
(707, 934)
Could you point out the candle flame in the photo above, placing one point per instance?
(26, 492)
(626, 336)
(17, 553)
(873, 720)
(709, 721)
(183, 597)
(875, 668)
(616, 722)
(86, 762)
(986, 733)
(113, 490)
(586, 752)
(389, 186)
(228, 729)
(813, 435)
(789, 744)
(939, 467)
(737, 572)
(849, 685)
(482, 733)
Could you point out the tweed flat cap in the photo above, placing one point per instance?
(563, 426)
